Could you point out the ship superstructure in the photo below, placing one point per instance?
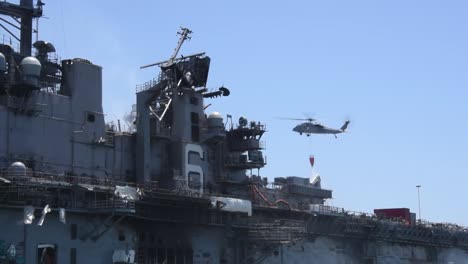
(182, 186)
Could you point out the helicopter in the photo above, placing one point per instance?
(314, 127)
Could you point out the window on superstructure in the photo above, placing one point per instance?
(142, 237)
(121, 236)
(194, 118)
(194, 100)
(195, 133)
(73, 231)
(91, 118)
(72, 255)
(46, 253)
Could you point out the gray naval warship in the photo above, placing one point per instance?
(179, 186)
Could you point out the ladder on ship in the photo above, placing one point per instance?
(101, 229)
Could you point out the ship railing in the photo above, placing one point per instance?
(115, 204)
(443, 231)
(155, 192)
(249, 163)
(59, 179)
(332, 210)
(161, 132)
(7, 40)
(54, 58)
(181, 189)
(35, 177)
(248, 144)
(443, 226)
(109, 137)
(325, 209)
(279, 231)
(50, 87)
(253, 125)
(274, 187)
(151, 83)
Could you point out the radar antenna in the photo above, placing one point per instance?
(185, 34)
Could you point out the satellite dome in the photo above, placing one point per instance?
(215, 115)
(17, 165)
(17, 169)
(3, 66)
(31, 62)
(215, 119)
(31, 69)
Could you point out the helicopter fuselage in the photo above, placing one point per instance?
(316, 128)
(309, 128)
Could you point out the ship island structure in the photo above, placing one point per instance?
(178, 186)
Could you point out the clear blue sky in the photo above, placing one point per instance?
(398, 68)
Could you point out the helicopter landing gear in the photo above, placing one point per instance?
(335, 135)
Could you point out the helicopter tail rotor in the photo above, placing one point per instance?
(345, 126)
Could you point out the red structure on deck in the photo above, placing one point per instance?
(394, 213)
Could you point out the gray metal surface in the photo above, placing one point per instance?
(58, 152)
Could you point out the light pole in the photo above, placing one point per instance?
(419, 202)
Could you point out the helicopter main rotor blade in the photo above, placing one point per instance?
(297, 119)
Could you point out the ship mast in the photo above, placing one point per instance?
(184, 34)
(26, 12)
